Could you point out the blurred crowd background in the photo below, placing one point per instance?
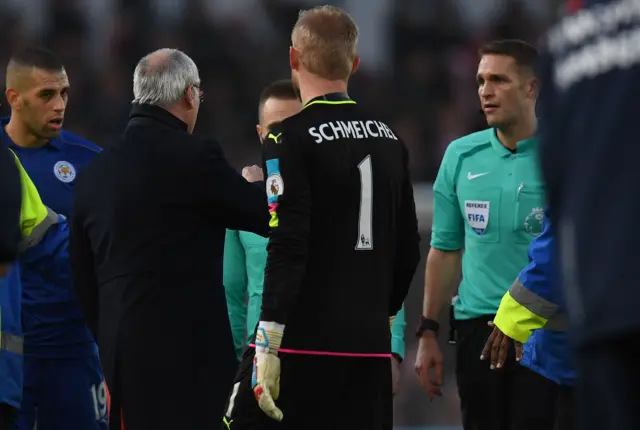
(418, 64)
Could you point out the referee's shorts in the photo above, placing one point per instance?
(316, 392)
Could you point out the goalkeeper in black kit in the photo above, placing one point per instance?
(342, 253)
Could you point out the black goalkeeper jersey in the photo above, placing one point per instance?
(344, 239)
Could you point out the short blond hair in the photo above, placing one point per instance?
(327, 38)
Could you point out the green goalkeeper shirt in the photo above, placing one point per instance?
(488, 200)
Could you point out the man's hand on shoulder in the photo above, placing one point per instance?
(253, 173)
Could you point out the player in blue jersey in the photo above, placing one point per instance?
(63, 385)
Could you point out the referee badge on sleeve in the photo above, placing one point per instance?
(477, 214)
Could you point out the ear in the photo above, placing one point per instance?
(190, 98)
(294, 58)
(13, 98)
(259, 130)
(355, 65)
(534, 89)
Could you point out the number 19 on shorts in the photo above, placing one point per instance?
(365, 239)
(99, 395)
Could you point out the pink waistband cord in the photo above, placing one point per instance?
(330, 354)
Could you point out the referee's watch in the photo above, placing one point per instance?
(427, 324)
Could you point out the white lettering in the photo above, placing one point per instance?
(313, 132)
(351, 133)
(381, 130)
(389, 132)
(356, 126)
(368, 125)
(606, 54)
(364, 129)
(327, 137)
(337, 129)
(329, 131)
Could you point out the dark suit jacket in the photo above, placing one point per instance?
(147, 242)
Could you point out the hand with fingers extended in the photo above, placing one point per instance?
(429, 365)
(497, 348)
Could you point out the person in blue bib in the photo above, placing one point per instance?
(63, 382)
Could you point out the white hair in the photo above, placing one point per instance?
(163, 81)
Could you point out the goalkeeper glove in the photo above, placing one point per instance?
(265, 379)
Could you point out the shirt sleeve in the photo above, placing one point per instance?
(255, 251)
(10, 201)
(408, 242)
(228, 198)
(290, 209)
(529, 304)
(447, 231)
(397, 334)
(235, 285)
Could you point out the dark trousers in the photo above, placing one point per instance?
(317, 392)
(565, 412)
(8, 414)
(512, 398)
(608, 390)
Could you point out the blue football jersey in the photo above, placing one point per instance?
(51, 317)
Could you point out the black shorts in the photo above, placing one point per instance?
(317, 392)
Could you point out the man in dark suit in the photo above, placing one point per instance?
(147, 243)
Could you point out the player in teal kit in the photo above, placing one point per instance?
(488, 201)
(63, 381)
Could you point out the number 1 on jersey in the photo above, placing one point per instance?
(365, 239)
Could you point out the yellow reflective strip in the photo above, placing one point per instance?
(329, 102)
(515, 320)
(38, 232)
(32, 211)
(11, 343)
(274, 221)
(532, 301)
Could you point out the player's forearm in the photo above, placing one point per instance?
(442, 273)
(286, 264)
(404, 271)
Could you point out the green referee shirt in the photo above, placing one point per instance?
(488, 201)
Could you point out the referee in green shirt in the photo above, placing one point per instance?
(488, 201)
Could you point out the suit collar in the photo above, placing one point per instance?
(158, 114)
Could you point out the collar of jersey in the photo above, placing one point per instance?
(522, 147)
(6, 140)
(331, 99)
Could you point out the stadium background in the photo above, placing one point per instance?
(418, 67)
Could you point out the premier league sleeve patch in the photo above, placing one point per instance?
(477, 214)
(64, 171)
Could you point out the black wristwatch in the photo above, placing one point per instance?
(427, 324)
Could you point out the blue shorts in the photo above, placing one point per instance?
(63, 394)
